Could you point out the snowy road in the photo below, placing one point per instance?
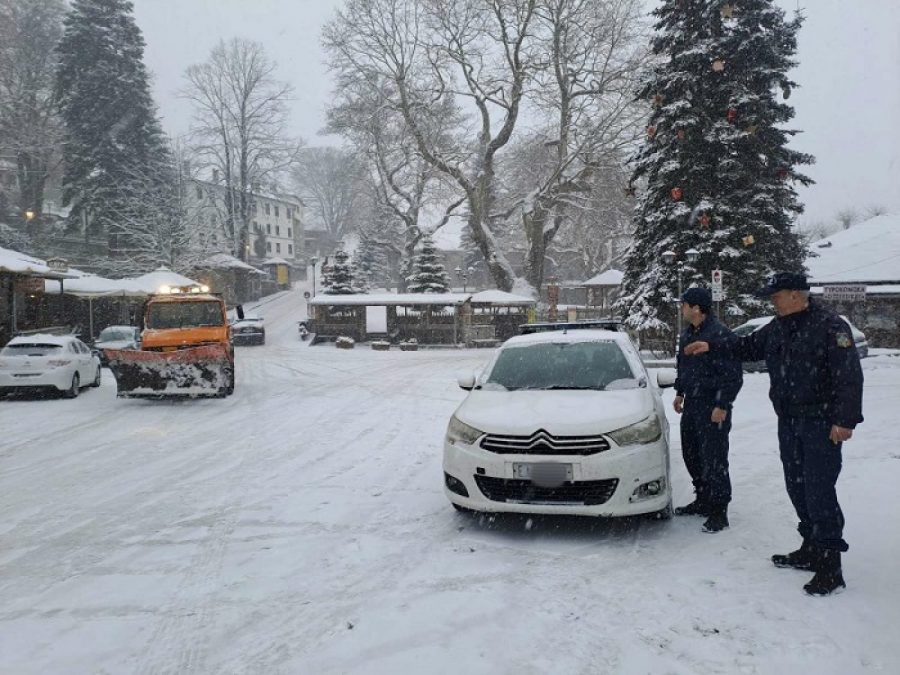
(300, 527)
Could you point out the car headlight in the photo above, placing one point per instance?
(459, 431)
(647, 430)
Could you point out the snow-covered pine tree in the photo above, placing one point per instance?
(111, 127)
(340, 280)
(718, 173)
(371, 264)
(428, 274)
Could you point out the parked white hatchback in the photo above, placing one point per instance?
(562, 423)
(60, 362)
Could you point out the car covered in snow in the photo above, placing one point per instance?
(562, 422)
(117, 337)
(859, 340)
(57, 362)
(249, 330)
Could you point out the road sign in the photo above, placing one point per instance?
(718, 292)
(844, 292)
(306, 294)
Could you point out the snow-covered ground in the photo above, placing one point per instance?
(300, 527)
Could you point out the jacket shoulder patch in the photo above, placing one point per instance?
(843, 340)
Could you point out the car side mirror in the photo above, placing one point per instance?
(665, 377)
(466, 382)
(239, 310)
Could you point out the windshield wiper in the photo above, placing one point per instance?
(559, 386)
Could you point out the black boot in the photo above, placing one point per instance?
(717, 521)
(828, 577)
(804, 558)
(695, 508)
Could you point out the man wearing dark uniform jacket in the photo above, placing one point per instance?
(816, 385)
(704, 393)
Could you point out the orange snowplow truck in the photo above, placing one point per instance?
(185, 348)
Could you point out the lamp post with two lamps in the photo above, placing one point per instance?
(669, 258)
(463, 275)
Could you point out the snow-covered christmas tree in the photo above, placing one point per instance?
(371, 264)
(428, 274)
(113, 135)
(340, 280)
(718, 173)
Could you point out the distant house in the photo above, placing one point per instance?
(862, 259)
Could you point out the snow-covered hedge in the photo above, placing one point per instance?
(345, 342)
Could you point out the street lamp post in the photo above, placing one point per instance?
(313, 261)
(463, 275)
(670, 257)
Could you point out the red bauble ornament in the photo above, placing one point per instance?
(651, 132)
(677, 194)
(781, 174)
(681, 134)
(705, 221)
(658, 100)
(732, 115)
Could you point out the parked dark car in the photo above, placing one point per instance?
(250, 330)
(745, 329)
(116, 337)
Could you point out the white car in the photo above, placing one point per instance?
(562, 423)
(60, 362)
(745, 329)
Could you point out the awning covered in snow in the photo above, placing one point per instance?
(609, 278)
(221, 261)
(391, 299)
(153, 281)
(502, 298)
(25, 265)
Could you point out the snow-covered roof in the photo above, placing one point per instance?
(19, 263)
(152, 281)
(93, 286)
(361, 299)
(275, 261)
(607, 278)
(496, 297)
(226, 261)
(868, 252)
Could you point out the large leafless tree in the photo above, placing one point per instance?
(487, 72)
(240, 127)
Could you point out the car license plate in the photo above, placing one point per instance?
(543, 471)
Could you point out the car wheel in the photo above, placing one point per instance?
(96, 382)
(72, 392)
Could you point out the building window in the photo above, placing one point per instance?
(268, 229)
(215, 239)
(289, 233)
(277, 248)
(256, 226)
(269, 246)
(276, 211)
(267, 209)
(199, 192)
(290, 212)
(277, 230)
(255, 209)
(291, 249)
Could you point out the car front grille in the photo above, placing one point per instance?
(587, 493)
(542, 443)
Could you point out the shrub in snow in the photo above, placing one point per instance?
(381, 346)
(345, 342)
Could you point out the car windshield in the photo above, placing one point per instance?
(113, 334)
(31, 349)
(746, 329)
(568, 365)
(184, 315)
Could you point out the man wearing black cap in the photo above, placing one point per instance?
(704, 392)
(816, 388)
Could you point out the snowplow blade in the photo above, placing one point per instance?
(197, 371)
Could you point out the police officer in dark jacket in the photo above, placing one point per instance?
(705, 391)
(816, 389)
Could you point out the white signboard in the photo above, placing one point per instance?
(844, 292)
(718, 292)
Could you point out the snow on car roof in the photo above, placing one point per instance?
(580, 335)
(42, 338)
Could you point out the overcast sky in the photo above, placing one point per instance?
(848, 106)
